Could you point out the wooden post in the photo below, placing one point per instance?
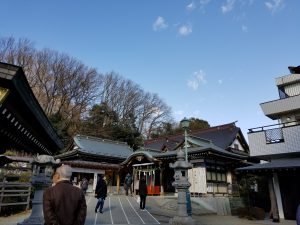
(118, 182)
(2, 193)
(28, 198)
(274, 209)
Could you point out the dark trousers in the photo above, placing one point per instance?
(128, 188)
(100, 204)
(143, 201)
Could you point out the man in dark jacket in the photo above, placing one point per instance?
(64, 203)
(84, 185)
(100, 193)
(127, 184)
(143, 193)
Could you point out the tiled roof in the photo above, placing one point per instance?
(222, 136)
(287, 163)
(148, 153)
(26, 114)
(101, 147)
(213, 149)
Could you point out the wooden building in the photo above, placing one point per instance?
(214, 153)
(278, 145)
(23, 123)
(91, 156)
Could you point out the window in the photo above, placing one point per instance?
(208, 175)
(219, 177)
(213, 176)
(224, 177)
(216, 177)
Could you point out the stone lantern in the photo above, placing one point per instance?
(182, 185)
(42, 171)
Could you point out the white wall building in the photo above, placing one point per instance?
(279, 144)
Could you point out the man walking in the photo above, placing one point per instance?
(127, 183)
(143, 193)
(100, 193)
(84, 185)
(64, 203)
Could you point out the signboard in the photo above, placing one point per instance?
(197, 178)
(3, 94)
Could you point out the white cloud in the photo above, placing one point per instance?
(156, 111)
(196, 80)
(244, 28)
(185, 30)
(228, 6)
(191, 6)
(159, 24)
(204, 2)
(179, 112)
(220, 81)
(274, 5)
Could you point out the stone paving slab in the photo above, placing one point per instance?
(157, 207)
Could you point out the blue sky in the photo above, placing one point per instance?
(215, 60)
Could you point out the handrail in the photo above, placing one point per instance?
(278, 125)
(14, 190)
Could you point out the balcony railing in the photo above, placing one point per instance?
(274, 139)
(273, 126)
(273, 109)
(274, 135)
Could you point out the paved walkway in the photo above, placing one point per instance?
(125, 210)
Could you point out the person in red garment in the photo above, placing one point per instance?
(64, 203)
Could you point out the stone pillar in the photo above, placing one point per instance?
(182, 185)
(42, 178)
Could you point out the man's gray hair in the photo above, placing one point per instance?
(65, 171)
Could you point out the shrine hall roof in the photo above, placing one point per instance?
(221, 136)
(101, 147)
(275, 164)
(24, 126)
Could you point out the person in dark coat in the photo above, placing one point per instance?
(143, 193)
(100, 193)
(127, 184)
(64, 203)
(84, 185)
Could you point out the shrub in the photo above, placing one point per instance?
(257, 213)
(254, 213)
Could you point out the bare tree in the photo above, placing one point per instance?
(62, 84)
(121, 95)
(153, 114)
(67, 88)
(128, 100)
(18, 52)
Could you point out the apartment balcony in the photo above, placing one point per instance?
(275, 139)
(274, 109)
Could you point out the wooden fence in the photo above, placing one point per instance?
(14, 193)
